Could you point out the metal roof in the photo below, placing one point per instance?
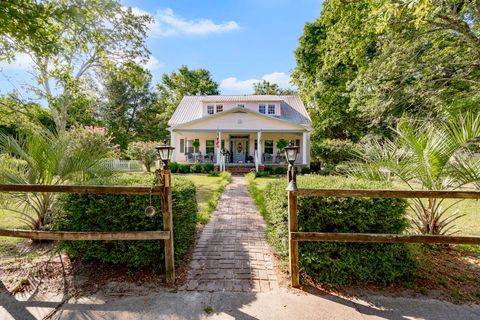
(190, 108)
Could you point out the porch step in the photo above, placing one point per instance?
(239, 169)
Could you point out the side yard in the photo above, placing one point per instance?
(442, 272)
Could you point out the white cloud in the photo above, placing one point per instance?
(153, 64)
(22, 62)
(234, 85)
(167, 23)
(280, 78)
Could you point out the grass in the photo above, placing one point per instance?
(209, 190)
(9, 219)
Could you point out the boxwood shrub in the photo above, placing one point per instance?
(92, 212)
(183, 168)
(340, 263)
(208, 167)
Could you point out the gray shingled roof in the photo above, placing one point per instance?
(190, 108)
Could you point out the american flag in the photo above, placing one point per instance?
(217, 142)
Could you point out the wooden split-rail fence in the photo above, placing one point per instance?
(295, 236)
(163, 190)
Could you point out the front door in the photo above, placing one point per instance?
(239, 151)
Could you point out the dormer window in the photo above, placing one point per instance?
(261, 108)
(210, 110)
(271, 109)
(219, 108)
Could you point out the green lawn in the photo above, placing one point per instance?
(466, 225)
(209, 190)
(9, 219)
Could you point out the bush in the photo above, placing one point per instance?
(174, 167)
(305, 170)
(338, 263)
(280, 170)
(196, 168)
(184, 168)
(92, 212)
(262, 174)
(214, 174)
(268, 169)
(208, 167)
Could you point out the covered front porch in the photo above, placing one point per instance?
(240, 148)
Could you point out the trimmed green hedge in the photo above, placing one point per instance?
(91, 212)
(337, 263)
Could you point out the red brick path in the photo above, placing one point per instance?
(232, 253)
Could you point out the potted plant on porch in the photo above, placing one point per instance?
(281, 144)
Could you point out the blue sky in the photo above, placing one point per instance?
(240, 42)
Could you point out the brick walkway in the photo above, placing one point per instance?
(232, 253)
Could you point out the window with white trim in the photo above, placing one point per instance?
(219, 108)
(271, 109)
(261, 108)
(210, 110)
(240, 105)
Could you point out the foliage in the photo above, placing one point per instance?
(268, 169)
(363, 64)
(90, 212)
(128, 110)
(436, 155)
(179, 83)
(196, 168)
(208, 167)
(143, 151)
(259, 174)
(305, 170)
(89, 139)
(333, 150)
(44, 158)
(173, 167)
(19, 116)
(281, 144)
(266, 88)
(88, 36)
(184, 168)
(196, 144)
(204, 216)
(30, 24)
(337, 263)
(280, 170)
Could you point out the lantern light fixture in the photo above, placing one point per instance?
(165, 152)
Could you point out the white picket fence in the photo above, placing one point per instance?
(124, 165)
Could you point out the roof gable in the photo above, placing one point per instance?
(239, 118)
(190, 108)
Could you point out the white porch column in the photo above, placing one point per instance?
(259, 147)
(304, 147)
(173, 140)
(219, 155)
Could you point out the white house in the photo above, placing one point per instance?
(246, 128)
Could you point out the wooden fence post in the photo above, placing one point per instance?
(168, 226)
(292, 227)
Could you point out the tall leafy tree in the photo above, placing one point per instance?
(128, 109)
(96, 34)
(264, 88)
(363, 64)
(175, 85)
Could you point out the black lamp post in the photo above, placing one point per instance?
(291, 152)
(165, 152)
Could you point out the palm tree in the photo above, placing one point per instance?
(44, 158)
(435, 155)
